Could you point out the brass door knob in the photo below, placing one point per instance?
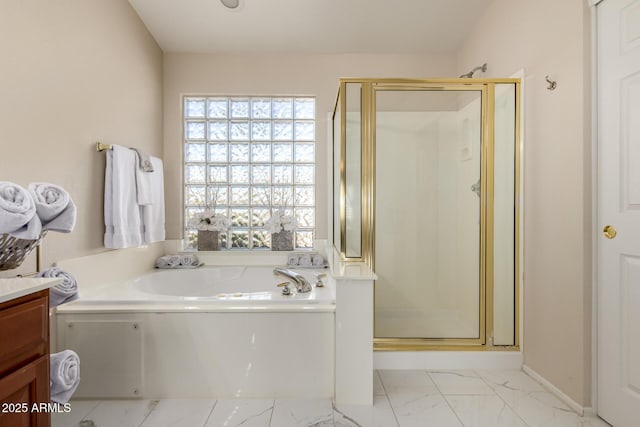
(609, 231)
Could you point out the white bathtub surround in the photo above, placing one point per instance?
(93, 271)
(336, 338)
(161, 336)
(354, 329)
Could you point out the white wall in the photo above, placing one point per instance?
(549, 37)
(72, 73)
(315, 75)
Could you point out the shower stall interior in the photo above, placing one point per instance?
(426, 191)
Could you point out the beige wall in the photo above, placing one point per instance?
(549, 37)
(273, 75)
(73, 72)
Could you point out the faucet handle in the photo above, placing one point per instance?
(319, 283)
(286, 290)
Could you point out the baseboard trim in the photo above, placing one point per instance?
(575, 406)
(447, 360)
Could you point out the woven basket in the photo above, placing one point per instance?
(13, 250)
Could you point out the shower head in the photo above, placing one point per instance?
(469, 75)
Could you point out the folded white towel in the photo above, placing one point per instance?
(64, 292)
(54, 206)
(144, 160)
(293, 259)
(18, 212)
(153, 214)
(144, 180)
(122, 216)
(64, 375)
(317, 260)
(168, 261)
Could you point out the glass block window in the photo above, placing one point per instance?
(246, 157)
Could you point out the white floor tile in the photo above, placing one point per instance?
(241, 412)
(511, 379)
(302, 412)
(406, 385)
(379, 415)
(179, 413)
(378, 389)
(482, 398)
(460, 382)
(539, 408)
(593, 422)
(79, 410)
(121, 413)
(484, 411)
(426, 411)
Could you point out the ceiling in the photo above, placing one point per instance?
(310, 26)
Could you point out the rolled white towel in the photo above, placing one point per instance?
(64, 292)
(18, 212)
(317, 260)
(305, 260)
(292, 259)
(168, 261)
(64, 375)
(190, 260)
(54, 206)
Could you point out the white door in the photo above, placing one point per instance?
(618, 35)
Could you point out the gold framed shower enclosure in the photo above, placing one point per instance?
(355, 184)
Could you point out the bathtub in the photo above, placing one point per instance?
(211, 332)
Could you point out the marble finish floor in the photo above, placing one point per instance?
(463, 398)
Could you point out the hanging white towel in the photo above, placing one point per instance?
(64, 375)
(144, 178)
(122, 215)
(153, 214)
(54, 207)
(144, 160)
(18, 212)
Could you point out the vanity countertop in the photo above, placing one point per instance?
(21, 286)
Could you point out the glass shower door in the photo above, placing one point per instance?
(428, 213)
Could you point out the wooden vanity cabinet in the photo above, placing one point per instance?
(24, 361)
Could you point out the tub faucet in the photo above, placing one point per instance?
(302, 284)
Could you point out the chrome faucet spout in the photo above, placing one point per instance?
(302, 284)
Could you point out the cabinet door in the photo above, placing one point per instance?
(20, 390)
